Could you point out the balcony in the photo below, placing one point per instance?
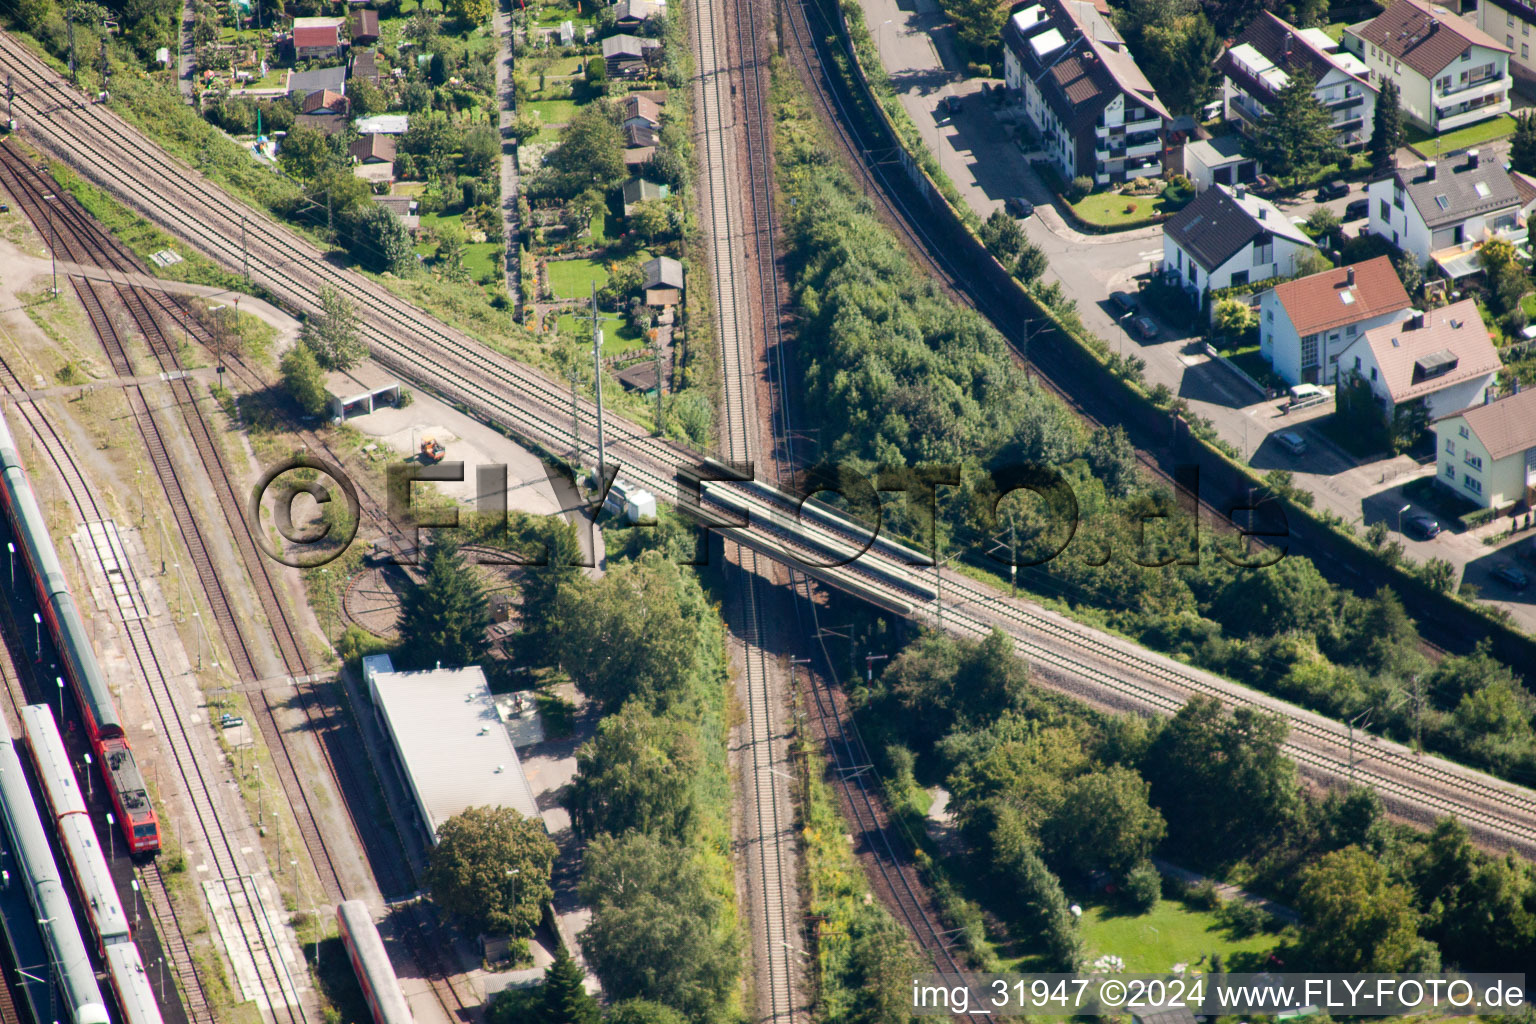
(1475, 90)
(1351, 99)
(1247, 109)
(1449, 122)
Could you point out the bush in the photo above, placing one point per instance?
(1203, 896)
(1242, 918)
(1078, 190)
(1477, 518)
(1143, 885)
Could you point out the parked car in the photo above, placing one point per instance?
(1124, 303)
(1145, 328)
(1019, 206)
(1338, 188)
(1291, 442)
(1358, 209)
(1514, 579)
(1422, 526)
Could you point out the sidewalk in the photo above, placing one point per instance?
(502, 22)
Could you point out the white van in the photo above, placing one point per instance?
(1307, 394)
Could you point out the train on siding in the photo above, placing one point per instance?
(114, 756)
(73, 975)
(88, 867)
(371, 964)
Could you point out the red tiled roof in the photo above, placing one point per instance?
(324, 99)
(1318, 303)
(316, 35)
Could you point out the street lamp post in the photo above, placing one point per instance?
(60, 681)
(12, 549)
(135, 904)
(111, 839)
(1400, 512)
(89, 786)
(37, 635)
(1123, 337)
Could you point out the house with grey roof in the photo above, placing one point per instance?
(1442, 212)
(627, 56)
(1229, 236)
(663, 281)
(1096, 113)
(639, 190)
(302, 83)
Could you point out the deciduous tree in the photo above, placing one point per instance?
(304, 380)
(1357, 918)
(377, 238)
(1104, 821)
(590, 153)
(333, 332)
(490, 870)
(658, 928)
(638, 772)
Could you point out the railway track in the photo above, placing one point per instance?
(738, 208)
(85, 242)
(228, 879)
(537, 408)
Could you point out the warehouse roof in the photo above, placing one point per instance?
(451, 742)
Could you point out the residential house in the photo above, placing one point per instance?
(1443, 358)
(324, 101)
(316, 38)
(639, 378)
(1487, 453)
(1442, 214)
(383, 124)
(1218, 161)
(376, 148)
(640, 110)
(365, 64)
(639, 144)
(1450, 73)
(1511, 21)
(302, 83)
(1304, 324)
(663, 281)
(629, 15)
(1269, 51)
(1229, 236)
(1096, 113)
(627, 56)
(638, 190)
(403, 207)
(365, 28)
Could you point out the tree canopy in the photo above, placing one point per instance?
(638, 772)
(444, 618)
(658, 928)
(304, 380)
(1358, 920)
(1296, 135)
(333, 332)
(490, 869)
(1386, 125)
(1104, 820)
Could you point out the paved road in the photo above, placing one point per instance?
(976, 148)
(502, 21)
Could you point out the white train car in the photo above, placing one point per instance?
(135, 995)
(45, 889)
(77, 833)
(371, 963)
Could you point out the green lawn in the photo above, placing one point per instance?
(1254, 365)
(1335, 30)
(1168, 934)
(552, 16)
(553, 111)
(1428, 146)
(572, 279)
(618, 337)
(1110, 209)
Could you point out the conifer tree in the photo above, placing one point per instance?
(444, 619)
(1386, 126)
(565, 1000)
